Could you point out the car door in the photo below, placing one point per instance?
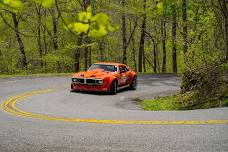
(124, 74)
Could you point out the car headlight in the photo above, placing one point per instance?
(74, 80)
(99, 82)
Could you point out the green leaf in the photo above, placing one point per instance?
(46, 3)
(101, 18)
(80, 28)
(111, 28)
(160, 8)
(16, 4)
(84, 16)
(96, 33)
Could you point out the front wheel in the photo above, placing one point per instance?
(113, 88)
(133, 85)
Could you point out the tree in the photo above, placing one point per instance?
(185, 27)
(163, 34)
(142, 40)
(174, 41)
(19, 40)
(224, 11)
(124, 30)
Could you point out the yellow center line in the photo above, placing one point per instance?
(10, 107)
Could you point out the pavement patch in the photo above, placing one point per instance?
(10, 107)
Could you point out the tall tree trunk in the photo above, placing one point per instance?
(224, 10)
(142, 40)
(44, 38)
(38, 11)
(163, 32)
(86, 58)
(144, 61)
(90, 57)
(155, 56)
(124, 31)
(133, 51)
(174, 33)
(77, 55)
(20, 42)
(101, 50)
(185, 27)
(55, 30)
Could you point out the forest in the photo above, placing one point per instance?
(157, 36)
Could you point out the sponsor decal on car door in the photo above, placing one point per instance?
(124, 75)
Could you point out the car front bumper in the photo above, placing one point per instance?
(86, 87)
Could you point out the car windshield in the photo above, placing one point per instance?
(111, 68)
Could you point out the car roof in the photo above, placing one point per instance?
(110, 63)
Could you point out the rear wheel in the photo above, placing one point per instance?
(113, 88)
(133, 85)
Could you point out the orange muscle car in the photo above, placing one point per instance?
(105, 77)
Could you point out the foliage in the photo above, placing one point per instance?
(101, 37)
(94, 26)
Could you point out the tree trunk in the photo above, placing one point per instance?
(86, 58)
(134, 52)
(77, 55)
(101, 50)
(90, 57)
(124, 31)
(185, 27)
(44, 38)
(38, 11)
(144, 61)
(155, 56)
(224, 10)
(20, 42)
(55, 30)
(163, 32)
(174, 33)
(142, 41)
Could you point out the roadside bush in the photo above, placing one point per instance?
(205, 86)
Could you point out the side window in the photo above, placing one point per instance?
(123, 69)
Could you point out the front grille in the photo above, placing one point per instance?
(87, 81)
(90, 81)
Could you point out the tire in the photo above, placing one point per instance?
(113, 88)
(133, 85)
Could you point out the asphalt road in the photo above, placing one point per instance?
(24, 134)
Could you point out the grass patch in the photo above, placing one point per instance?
(35, 75)
(161, 103)
(172, 103)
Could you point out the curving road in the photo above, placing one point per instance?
(63, 121)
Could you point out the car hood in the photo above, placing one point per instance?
(97, 73)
